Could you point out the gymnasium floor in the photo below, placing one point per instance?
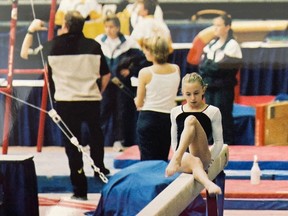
(52, 161)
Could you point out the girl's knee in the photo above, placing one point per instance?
(196, 164)
(192, 160)
(190, 121)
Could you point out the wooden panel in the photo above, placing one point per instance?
(276, 124)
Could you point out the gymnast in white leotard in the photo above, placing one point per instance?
(193, 124)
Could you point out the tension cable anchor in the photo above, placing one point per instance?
(75, 142)
(54, 115)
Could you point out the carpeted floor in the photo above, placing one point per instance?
(51, 164)
(55, 204)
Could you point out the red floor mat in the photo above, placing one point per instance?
(267, 189)
(236, 153)
(255, 100)
(264, 153)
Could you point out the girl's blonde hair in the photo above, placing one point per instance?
(159, 47)
(192, 78)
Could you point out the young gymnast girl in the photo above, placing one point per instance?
(193, 124)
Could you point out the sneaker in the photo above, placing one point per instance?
(80, 198)
(105, 171)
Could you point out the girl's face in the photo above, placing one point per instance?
(111, 29)
(193, 94)
(220, 30)
(141, 9)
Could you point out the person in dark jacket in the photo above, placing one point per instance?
(75, 63)
(222, 59)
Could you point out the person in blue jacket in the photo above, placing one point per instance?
(125, 59)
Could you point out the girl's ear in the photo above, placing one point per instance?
(204, 89)
(228, 27)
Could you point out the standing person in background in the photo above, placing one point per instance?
(192, 125)
(124, 59)
(156, 93)
(222, 59)
(75, 63)
(135, 18)
(89, 9)
(149, 26)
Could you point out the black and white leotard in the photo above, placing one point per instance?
(209, 118)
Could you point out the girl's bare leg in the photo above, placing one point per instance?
(195, 166)
(189, 135)
(175, 162)
(194, 137)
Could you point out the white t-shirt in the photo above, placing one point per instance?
(85, 7)
(161, 92)
(135, 18)
(149, 27)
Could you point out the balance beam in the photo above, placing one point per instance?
(183, 190)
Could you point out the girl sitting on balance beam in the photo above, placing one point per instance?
(193, 124)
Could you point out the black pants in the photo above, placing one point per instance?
(154, 139)
(74, 114)
(118, 117)
(223, 98)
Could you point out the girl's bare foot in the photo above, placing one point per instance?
(172, 167)
(213, 189)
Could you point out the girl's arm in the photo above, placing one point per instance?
(173, 129)
(141, 89)
(217, 134)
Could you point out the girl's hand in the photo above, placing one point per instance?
(125, 72)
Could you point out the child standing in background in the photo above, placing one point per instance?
(156, 93)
